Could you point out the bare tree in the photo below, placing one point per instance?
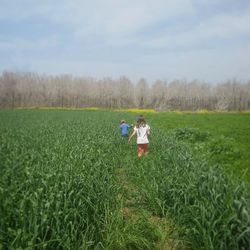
(142, 93)
(25, 89)
(158, 95)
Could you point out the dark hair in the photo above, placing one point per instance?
(140, 121)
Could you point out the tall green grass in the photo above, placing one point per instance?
(59, 187)
(209, 208)
(226, 135)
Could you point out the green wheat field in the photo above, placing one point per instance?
(69, 181)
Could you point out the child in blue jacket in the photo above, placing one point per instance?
(124, 127)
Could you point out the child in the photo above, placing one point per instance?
(124, 128)
(142, 131)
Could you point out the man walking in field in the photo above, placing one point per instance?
(142, 132)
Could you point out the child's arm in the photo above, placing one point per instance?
(130, 125)
(148, 131)
(130, 137)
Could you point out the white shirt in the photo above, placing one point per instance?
(142, 134)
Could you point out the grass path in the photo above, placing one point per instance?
(159, 232)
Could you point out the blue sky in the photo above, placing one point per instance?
(207, 40)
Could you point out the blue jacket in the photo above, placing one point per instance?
(124, 128)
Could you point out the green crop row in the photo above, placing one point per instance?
(209, 208)
(60, 187)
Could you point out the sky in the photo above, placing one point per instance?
(205, 40)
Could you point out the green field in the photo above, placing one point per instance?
(228, 137)
(68, 181)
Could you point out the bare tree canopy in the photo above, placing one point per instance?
(34, 90)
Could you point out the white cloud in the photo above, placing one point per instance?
(110, 23)
(114, 21)
(106, 18)
(222, 26)
(210, 65)
(205, 65)
(120, 22)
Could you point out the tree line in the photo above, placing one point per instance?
(25, 89)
